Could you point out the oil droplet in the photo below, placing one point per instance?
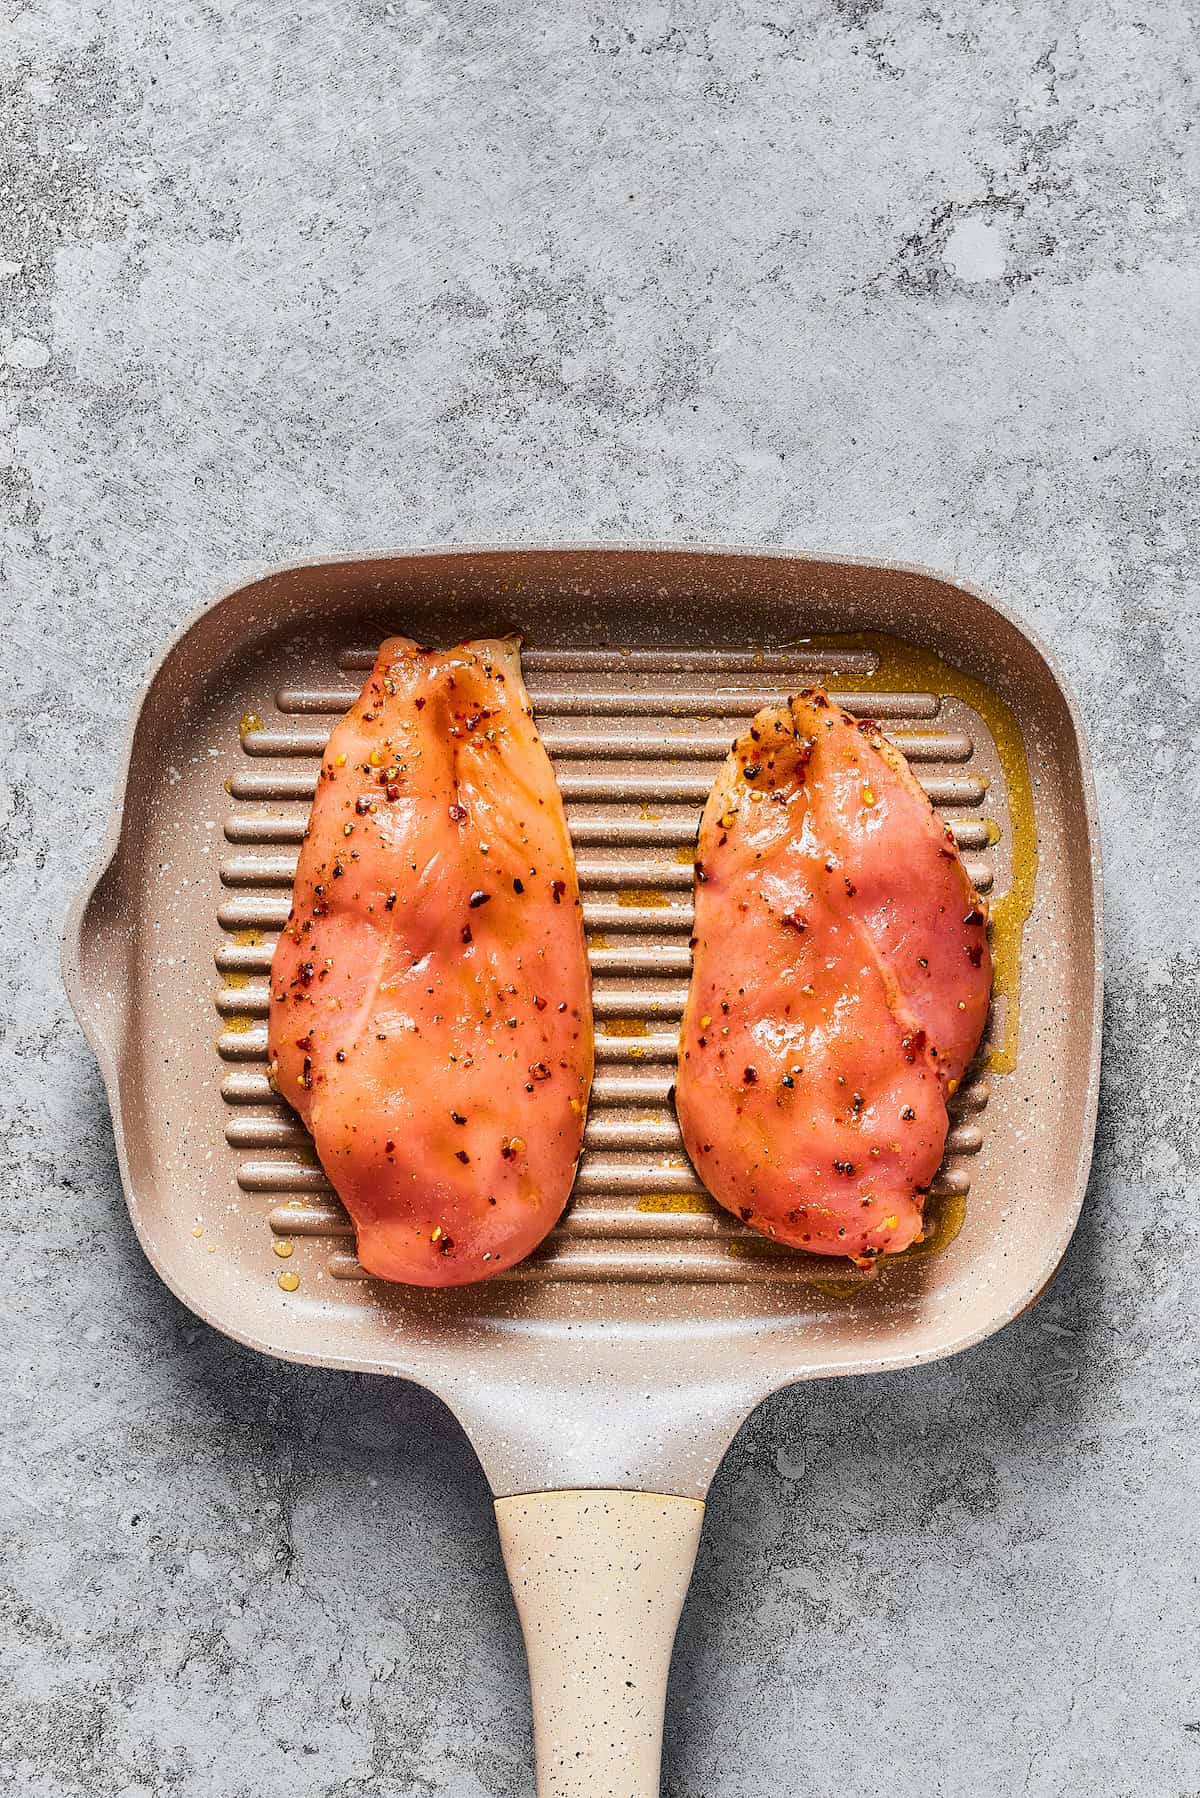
(599, 942)
(749, 1248)
(288, 1281)
(283, 1249)
(686, 853)
(248, 939)
(944, 1218)
(248, 723)
(649, 817)
(843, 1289)
(992, 830)
(235, 982)
(641, 896)
(691, 1202)
(197, 1229)
(626, 1027)
(238, 1023)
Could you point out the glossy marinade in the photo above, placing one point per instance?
(431, 1015)
(840, 985)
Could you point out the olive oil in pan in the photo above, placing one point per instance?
(691, 1202)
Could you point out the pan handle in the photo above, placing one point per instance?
(599, 1579)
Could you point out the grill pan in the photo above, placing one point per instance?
(600, 1381)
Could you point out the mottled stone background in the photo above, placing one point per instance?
(876, 276)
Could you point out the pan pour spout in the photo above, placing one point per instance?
(431, 1016)
(840, 985)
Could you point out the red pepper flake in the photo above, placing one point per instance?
(974, 916)
(392, 792)
(307, 970)
(851, 889)
(843, 1167)
(389, 1147)
(389, 902)
(539, 1070)
(539, 1004)
(518, 886)
(420, 704)
(975, 954)
(466, 934)
(457, 813)
(701, 874)
(750, 1076)
(792, 920)
(477, 899)
(558, 888)
(461, 1155)
(340, 1056)
(908, 1114)
(457, 1119)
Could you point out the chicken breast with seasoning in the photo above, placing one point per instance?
(840, 985)
(431, 1016)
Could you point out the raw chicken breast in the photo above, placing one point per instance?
(431, 1015)
(840, 985)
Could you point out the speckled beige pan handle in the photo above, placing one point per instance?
(599, 1579)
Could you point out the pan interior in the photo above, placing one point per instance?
(643, 666)
(636, 736)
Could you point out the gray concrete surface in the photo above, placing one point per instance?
(865, 275)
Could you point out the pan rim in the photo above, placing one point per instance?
(109, 855)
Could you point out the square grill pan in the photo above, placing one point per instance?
(643, 665)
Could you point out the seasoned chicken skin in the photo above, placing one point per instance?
(840, 985)
(431, 1015)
